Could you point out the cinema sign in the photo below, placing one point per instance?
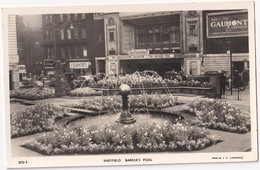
(227, 24)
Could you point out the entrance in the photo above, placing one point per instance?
(11, 80)
(101, 66)
(159, 65)
(239, 66)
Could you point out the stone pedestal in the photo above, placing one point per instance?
(125, 116)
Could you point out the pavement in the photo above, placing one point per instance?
(228, 144)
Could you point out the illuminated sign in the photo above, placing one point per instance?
(227, 25)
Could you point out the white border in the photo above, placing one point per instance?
(244, 165)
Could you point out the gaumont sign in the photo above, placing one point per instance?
(79, 65)
(231, 24)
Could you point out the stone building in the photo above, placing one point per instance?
(69, 38)
(13, 56)
(30, 51)
(174, 40)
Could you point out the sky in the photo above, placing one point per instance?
(33, 20)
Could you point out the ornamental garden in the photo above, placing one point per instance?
(163, 122)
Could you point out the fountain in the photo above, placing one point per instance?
(125, 115)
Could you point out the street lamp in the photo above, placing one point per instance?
(60, 85)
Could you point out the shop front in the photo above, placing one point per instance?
(14, 81)
(49, 66)
(79, 68)
(161, 63)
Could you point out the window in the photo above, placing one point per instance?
(70, 52)
(51, 35)
(62, 53)
(76, 33)
(85, 52)
(62, 34)
(47, 35)
(75, 17)
(52, 53)
(47, 19)
(166, 35)
(221, 45)
(69, 34)
(77, 54)
(157, 35)
(50, 18)
(61, 17)
(193, 49)
(99, 38)
(49, 53)
(111, 21)
(112, 52)
(192, 28)
(68, 17)
(83, 16)
(111, 36)
(84, 32)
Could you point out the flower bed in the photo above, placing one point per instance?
(138, 80)
(135, 101)
(217, 114)
(85, 91)
(33, 93)
(128, 138)
(35, 119)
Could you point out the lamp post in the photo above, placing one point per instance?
(61, 86)
(229, 52)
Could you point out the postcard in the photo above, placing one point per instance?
(137, 84)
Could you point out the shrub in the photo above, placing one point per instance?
(135, 101)
(35, 119)
(141, 80)
(85, 91)
(221, 115)
(128, 138)
(33, 93)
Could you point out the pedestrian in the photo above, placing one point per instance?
(245, 75)
(237, 79)
(223, 81)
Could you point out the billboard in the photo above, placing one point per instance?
(227, 24)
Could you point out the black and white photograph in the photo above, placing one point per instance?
(121, 85)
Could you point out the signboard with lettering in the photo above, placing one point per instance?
(138, 52)
(13, 59)
(79, 65)
(49, 63)
(227, 24)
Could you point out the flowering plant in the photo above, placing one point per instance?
(33, 93)
(140, 80)
(145, 101)
(35, 119)
(128, 138)
(85, 91)
(219, 114)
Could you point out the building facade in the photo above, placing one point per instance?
(70, 39)
(13, 56)
(179, 40)
(30, 51)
